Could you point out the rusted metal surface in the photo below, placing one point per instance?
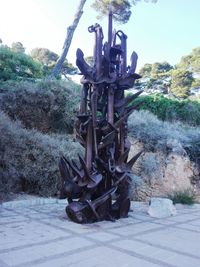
(98, 189)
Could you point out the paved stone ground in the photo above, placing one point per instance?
(40, 235)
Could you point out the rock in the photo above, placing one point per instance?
(161, 208)
(178, 173)
(163, 172)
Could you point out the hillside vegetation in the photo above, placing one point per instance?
(37, 124)
(169, 109)
(35, 121)
(29, 159)
(48, 106)
(37, 118)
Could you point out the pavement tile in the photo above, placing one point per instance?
(6, 213)
(24, 210)
(67, 225)
(98, 257)
(164, 222)
(175, 259)
(40, 216)
(141, 217)
(189, 226)
(27, 232)
(157, 254)
(196, 222)
(51, 208)
(182, 218)
(43, 236)
(176, 239)
(108, 224)
(131, 219)
(41, 252)
(133, 229)
(3, 264)
(12, 219)
(102, 236)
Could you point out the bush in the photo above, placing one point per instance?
(17, 66)
(183, 197)
(29, 159)
(156, 134)
(166, 109)
(48, 106)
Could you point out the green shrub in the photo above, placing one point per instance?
(48, 106)
(17, 66)
(183, 197)
(166, 109)
(29, 159)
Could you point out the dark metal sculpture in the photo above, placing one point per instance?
(98, 189)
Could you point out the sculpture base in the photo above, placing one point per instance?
(86, 212)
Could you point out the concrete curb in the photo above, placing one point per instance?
(45, 201)
(23, 203)
(31, 202)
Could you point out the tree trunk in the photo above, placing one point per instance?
(70, 32)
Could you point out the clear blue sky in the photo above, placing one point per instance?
(166, 30)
